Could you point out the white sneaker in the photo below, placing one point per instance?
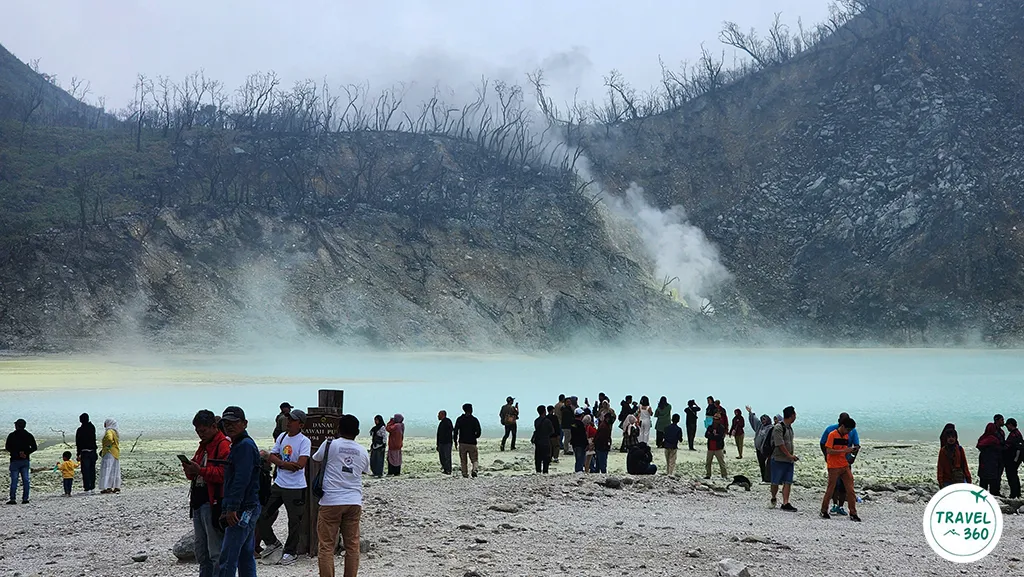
(288, 559)
(270, 550)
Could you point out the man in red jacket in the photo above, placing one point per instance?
(206, 471)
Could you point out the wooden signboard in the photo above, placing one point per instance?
(322, 423)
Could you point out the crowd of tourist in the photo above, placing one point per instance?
(237, 491)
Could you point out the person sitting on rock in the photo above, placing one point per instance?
(639, 460)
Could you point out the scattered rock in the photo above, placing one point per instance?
(880, 488)
(1020, 511)
(466, 527)
(505, 508)
(480, 540)
(693, 553)
(626, 481)
(472, 573)
(139, 557)
(732, 568)
(908, 499)
(185, 548)
(364, 546)
(613, 483)
(754, 539)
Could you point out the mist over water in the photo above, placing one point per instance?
(893, 394)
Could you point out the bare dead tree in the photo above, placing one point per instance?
(63, 437)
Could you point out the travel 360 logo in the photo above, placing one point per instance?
(963, 523)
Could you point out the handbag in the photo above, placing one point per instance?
(318, 481)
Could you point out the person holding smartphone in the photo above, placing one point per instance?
(206, 471)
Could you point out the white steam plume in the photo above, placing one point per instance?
(680, 251)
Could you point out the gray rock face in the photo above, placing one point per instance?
(868, 199)
(908, 499)
(185, 548)
(732, 568)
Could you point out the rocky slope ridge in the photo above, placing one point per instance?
(546, 275)
(868, 189)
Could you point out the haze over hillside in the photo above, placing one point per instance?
(858, 182)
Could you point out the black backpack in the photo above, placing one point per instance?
(768, 444)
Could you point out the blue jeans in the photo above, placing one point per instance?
(601, 459)
(237, 549)
(19, 468)
(581, 457)
(208, 540)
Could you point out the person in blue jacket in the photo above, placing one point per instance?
(240, 507)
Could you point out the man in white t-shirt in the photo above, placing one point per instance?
(341, 507)
(290, 454)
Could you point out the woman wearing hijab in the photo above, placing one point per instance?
(990, 458)
(630, 434)
(645, 413)
(396, 434)
(110, 465)
(952, 466)
(663, 418)
(378, 446)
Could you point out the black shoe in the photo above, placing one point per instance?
(855, 518)
(12, 502)
(825, 515)
(474, 474)
(24, 501)
(788, 507)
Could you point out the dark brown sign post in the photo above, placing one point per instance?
(322, 422)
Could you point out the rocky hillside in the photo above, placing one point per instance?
(865, 190)
(870, 188)
(535, 273)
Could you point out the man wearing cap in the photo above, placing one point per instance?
(509, 416)
(20, 444)
(290, 454)
(281, 422)
(240, 507)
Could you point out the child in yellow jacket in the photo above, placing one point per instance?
(67, 471)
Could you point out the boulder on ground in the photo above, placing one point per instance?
(185, 548)
(732, 568)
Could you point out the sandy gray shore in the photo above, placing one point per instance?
(562, 524)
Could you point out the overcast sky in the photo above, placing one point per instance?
(108, 42)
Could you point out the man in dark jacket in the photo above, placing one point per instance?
(85, 450)
(543, 430)
(206, 471)
(20, 444)
(673, 436)
(1013, 454)
(445, 430)
(240, 507)
(691, 410)
(466, 432)
(556, 434)
(638, 460)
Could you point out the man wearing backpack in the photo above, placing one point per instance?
(783, 459)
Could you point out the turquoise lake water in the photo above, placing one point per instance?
(894, 394)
